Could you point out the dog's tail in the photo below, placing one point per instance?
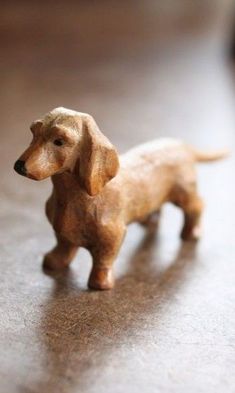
(210, 156)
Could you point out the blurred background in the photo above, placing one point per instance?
(143, 69)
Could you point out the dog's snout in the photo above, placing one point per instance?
(19, 167)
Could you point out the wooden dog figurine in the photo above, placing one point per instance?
(96, 193)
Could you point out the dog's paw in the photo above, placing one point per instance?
(52, 261)
(193, 235)
(102, 279)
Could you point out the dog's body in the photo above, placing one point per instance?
(148, 176)
(94, 199)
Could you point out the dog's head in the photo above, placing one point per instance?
(65, 140)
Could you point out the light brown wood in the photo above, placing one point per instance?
(168, 325)
(94, 197)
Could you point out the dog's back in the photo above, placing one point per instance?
(149, 172)
(159, 171)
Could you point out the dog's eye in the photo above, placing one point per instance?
(58, 142)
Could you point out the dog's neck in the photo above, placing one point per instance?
(66, 181)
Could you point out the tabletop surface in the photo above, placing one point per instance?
(169, 324)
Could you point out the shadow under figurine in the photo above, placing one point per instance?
(96, 193)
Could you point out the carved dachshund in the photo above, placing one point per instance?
(96, 194)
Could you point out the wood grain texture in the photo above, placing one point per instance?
(168, 326)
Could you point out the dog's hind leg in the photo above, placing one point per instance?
(61, 255)
(151, 222)
(184, 194)
(192, 218)
(186, 197)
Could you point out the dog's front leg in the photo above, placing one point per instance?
(101, 276)
(104, 254)
(61, 255)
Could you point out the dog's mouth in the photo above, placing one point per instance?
(29, 176)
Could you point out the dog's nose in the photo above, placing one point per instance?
(20, 167)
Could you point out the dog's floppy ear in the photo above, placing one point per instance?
(98, 160)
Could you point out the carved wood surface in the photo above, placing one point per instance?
(168, 326)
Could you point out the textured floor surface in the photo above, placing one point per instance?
(169, 324)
